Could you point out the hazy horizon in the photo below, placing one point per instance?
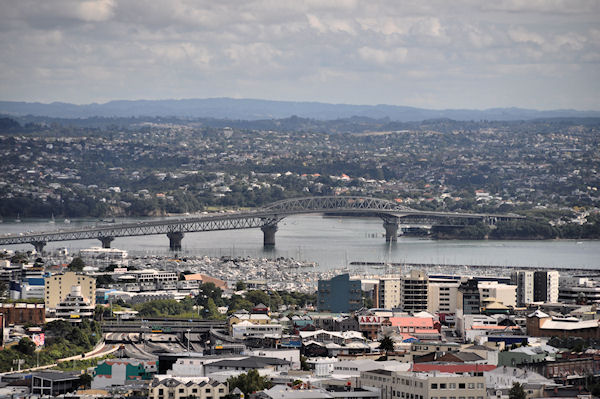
(292, 101)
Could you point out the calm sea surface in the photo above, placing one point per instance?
(334, 242)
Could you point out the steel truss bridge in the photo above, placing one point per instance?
(266, 218)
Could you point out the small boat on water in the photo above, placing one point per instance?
(52, 221)
(67, 221)
(18, 219)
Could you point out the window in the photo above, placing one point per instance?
(461, 386)
(181, 390)
(433, 386)
(471, 385)
(480, 385)
(443, 386)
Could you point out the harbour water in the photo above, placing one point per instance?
(334, 242)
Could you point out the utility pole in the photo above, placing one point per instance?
(188, 340)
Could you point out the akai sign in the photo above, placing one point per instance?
(369, 320)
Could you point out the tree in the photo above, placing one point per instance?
(386, 344)
(211, 311)
(257, 297)
(240, 286)
(303, 363)
(76, 265)
(249, 382)
(209, 290)
(517, 392)
(26, 346)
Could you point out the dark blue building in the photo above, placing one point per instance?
(339, 295)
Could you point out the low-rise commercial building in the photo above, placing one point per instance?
(172, 387)
(410, 385)
(22, 313)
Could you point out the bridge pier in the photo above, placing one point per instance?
(391, 229)
(175, 238)
(39, 246)
(106, 241)
(269, 231)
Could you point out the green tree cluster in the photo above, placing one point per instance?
(63, 339)
(249, 382)
(76, 265)
(165, 307)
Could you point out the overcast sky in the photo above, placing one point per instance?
(433, 54)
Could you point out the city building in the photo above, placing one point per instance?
(540, 324)
(389, 293)
(246, 329)
(111, 372)
(339, 294)
(98, 256)
(469, 298)
(503, 293)
(203, 279)
(425, 385)
(523, 279)
(53, 383)
(414, 291)
(442, 297)
(75, 307)
(579, 290)
(22, 313)
(545, 286)
(57, 288)
(536, 286)
(175, 387)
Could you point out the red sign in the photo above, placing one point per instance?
(369, 320)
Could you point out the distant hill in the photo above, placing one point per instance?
(250, 109)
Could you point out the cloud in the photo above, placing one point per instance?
(375, 52)
(383, 57)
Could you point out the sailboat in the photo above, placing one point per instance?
(18, 219)
(52, 221)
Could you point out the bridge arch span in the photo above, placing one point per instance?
(265, 218)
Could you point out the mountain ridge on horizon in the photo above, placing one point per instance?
(258, 109)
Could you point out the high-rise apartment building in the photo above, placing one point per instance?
(538, 286)
(339, 294)
(57, 288)
(389, 291)
(545, 286)
(469, 298)
(442, 297)
(523, 279)
(414, 291)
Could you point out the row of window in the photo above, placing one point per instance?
(451, 385)
(454, 397)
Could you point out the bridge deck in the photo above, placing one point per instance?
(269, 215)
